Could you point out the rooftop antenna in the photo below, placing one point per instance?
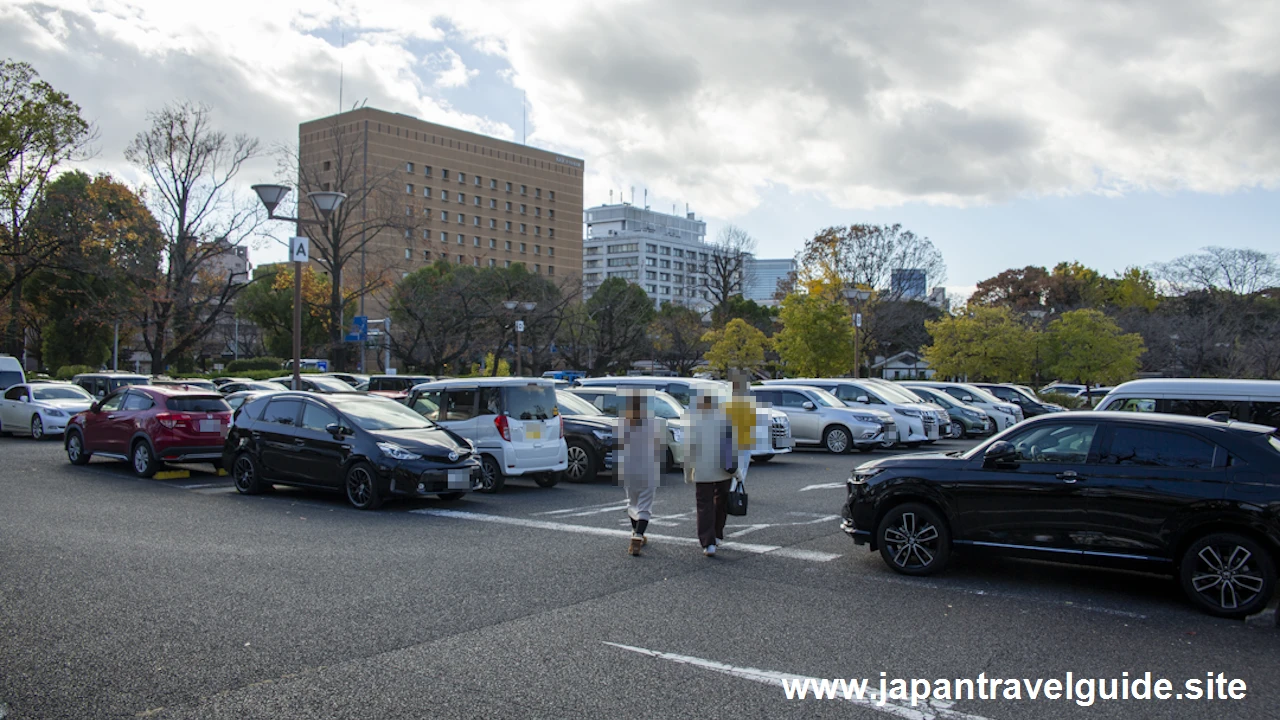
(611, 197)
(524, 116)
(646, 198)
(633, 194)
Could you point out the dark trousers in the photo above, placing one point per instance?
(713, 510)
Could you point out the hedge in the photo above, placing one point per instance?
(258, 363)
(66, 372)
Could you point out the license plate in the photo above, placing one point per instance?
(211, 426)
(532, 432)
(459, 479)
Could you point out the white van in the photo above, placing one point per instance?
(11, 372)
(1255, 401)
(513, 422)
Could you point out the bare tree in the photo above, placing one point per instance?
(373, 206)
(866, 256)
(192, 167)
(40, 129)
(728, 268)
(1242, 271)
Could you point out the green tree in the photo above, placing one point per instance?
(620, 312)
(438, 313)
(982, 344)
(1087, 347)
(677, 331)
(40, 129)
(111, 245)
(1134, 289)
(739, 346)
(268, 303)
(816, 339)
(763, 317)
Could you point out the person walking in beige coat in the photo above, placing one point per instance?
(709, 439)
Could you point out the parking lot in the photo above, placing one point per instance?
(182, 599)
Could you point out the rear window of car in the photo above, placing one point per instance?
(530, 402)
(116, 382)
(9, 378)
(197, 403)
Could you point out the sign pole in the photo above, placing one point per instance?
(299, 252)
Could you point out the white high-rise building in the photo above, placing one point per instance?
(664, 254)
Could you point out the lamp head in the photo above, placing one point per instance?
(271, 195)
(510, 304)
(326, 202)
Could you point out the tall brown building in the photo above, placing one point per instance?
(446, 193)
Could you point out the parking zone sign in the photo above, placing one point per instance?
(300, 249)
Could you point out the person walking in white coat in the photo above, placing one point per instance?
(638, 458)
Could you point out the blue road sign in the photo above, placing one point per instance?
(358, 331)
(322, 365)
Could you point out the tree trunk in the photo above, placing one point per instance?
(337, 332)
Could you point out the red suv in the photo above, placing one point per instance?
(146, 425)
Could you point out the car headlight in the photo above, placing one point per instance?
(869, 419)
(54, 412)
(602, 435)
(395, 452)
(863, 474)
(971, 414)
(909, 412)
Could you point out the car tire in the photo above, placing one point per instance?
(669, 462)
(913, 445)
(246, 475)
(547, 480)
(37, 428)
(1227, 575)
(3, 432)
(866, 448)
(762, 459)
(914, 540)
(582, 463)
(837, 440)
(76, 451)
(451, 496)
(361, 483)
(492, 479)
(143, 460)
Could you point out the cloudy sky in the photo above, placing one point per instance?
(1008, 132)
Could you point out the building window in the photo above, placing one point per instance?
(508, 226)
(650, 248)
(462, 198)
(551, 214)
(461, 260)
(408, 188)
(427, 171)
(493, 243)
(407, 234)
(650, 275)
(650, 262)
(522, 247)
(462, 177)
(408, 254)
(679, 265)
(666, 250)
(508, 246)
(537, 269)
(508, 187)
(537, 230)
(426, 192)
(493, 204)
(408, 211)
(426, 234)
(493, 263)
(444, 237)
(477, 199)
(537, 249)
(665, 264)
(522, 228)
(493, 184)
(327, 164)
(493, 224)
(426, 255)
(537, 192)
(591, 263)
(537, 212)
(651, 289)
(551, 252)
(475, 241)
(624, 248)
(475, 220)
(408, 167)
(444, 174)
(475, 261)
(508, 207)
(524, 210)
(477, 177)
(444, 196)
(524, 189)
(552, 195)
(551, 269)
(507, 264)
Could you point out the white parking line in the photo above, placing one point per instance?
(566, 511)
(925, 710)
(773, 550)
(823, 486)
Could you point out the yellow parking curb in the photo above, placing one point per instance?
(221, 472)
(172, 475)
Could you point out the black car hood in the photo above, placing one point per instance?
(915, 460)
(431, 442)
(591, 422)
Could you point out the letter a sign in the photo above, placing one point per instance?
(300, 249)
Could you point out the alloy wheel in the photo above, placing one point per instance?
(37, 428)
(912, 541)
(837, 440)
(578, 462)
(141, 458)
(359, 486)
(1227, 576)
(243, 472)
(74, 447)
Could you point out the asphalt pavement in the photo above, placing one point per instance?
(127, 598)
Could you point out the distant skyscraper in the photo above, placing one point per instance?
(763, 276)
(909, 284)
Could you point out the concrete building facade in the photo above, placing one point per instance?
(664, 254)
(465, 198)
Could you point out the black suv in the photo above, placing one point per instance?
(1192, 497)
(588, 434)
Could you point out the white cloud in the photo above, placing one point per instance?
(862, 105)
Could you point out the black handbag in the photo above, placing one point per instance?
(737, 498)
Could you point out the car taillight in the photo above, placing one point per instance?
(172, 420)
(561, 426)
(503, 429)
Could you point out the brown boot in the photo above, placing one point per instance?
(634, 547)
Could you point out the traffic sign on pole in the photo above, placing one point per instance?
(359, 329)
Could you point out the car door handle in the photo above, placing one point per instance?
(299, 442)
(1069, 476)
(111, 417)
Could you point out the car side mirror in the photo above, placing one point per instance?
(26, 399)
(862, 399)
(808, 405)
(966, 398)
(337, 430)
(1000, 452)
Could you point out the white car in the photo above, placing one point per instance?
(1004, 415)
(41, 409)
(917, 422)
(820, 418)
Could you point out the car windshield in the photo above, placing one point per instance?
(265, 385)
(197, 404)
(530, 402)
(330, 384)
(895, 394)
(60, 392)
(982, 395)
(825, 398)
(571, 404)
(376, 414)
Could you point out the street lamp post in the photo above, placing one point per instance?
(324, 203)
(524, 307)
(856, 297)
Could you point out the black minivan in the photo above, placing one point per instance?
(1192, 497)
